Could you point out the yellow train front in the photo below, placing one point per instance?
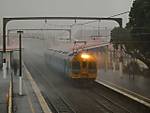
(83, 65)
(75, 65)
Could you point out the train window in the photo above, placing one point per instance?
(92, 65)
(75, 65)
(84, 64)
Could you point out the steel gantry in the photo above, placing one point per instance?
(6, 20)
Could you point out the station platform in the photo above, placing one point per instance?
(31, 100)
(135, 86)
(27, 102)
(4, 87)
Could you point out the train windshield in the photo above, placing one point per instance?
(92, 65)
(84, 64)
(76, 65)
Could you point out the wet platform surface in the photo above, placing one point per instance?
(4, 87)
(27, 102)
(124, 71)
(136, 84)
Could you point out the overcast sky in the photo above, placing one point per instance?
(98, 8)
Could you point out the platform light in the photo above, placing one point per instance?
(85, 56)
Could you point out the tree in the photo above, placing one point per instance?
(119, 36)
(139, 28)
(137, 39)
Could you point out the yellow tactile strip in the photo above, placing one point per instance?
(36, 89)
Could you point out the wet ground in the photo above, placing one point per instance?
(4, 87)
(124, 71)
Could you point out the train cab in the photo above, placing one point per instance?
(83, 65)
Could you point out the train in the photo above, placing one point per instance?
(77, 60)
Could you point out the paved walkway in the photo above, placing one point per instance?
(28, 102)
(138, 85)
(4, 87)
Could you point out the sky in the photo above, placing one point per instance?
(95, 8)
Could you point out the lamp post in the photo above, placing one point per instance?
(20, 63)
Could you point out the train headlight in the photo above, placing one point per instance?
(85, 56)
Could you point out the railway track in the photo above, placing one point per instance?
(68, 96)
(114, 105)
(55, 100)
(118, 100)
(58, 105)
(105, 104)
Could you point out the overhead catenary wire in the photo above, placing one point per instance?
(98, 20)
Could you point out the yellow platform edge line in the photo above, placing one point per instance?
(37, 91)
